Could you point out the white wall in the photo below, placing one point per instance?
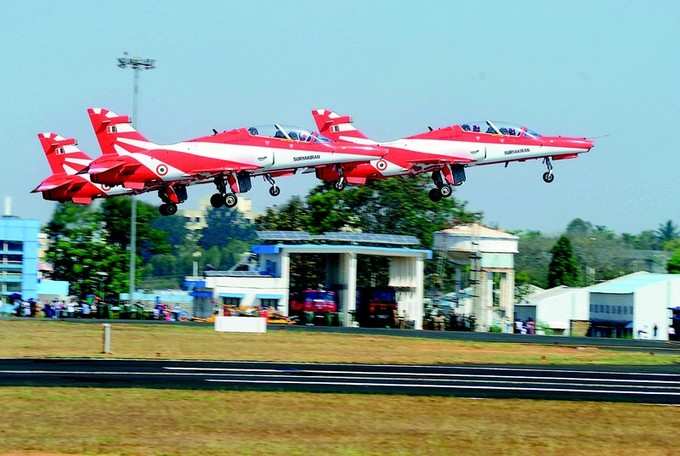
(651, 308)
(557, 311)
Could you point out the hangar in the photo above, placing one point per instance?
(637, 306)
(264, 278)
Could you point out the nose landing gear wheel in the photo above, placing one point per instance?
(167, 209)
(435, 195)
(445, 191)
(216, 200)
(548, 177)
(340, 184)
(230, 200)
(274, 190)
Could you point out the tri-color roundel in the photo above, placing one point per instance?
(381, 165)
(161, 170)
(106, 187)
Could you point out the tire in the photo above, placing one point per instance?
(435, 195)
(216, 200)
(445, 191)
(230, 200)
(548, 177)
(170, 209)
(340, 185)
(163, 209)
(274, 190)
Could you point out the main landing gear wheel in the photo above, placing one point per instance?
(167, 209)
(435, 195)
(274, 190)
(230, 200)
(445, 191)
(548, 177)
(216, 200)
(340, 184)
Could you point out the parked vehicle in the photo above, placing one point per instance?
(377, 307)
(313, 305)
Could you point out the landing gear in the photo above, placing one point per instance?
(167, 209)
(445, 191)
(340, 184)
(171, 195)
(548, 176)
(435, 195)
(230, 200)
(273, 190)
(217, 200)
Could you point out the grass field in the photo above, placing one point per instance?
(62, 339)
(176, 422)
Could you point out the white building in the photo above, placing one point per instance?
(490, 255)
(558, 309)
(267, 280)
(635, 305)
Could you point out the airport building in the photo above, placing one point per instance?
(264, 278)
(638, 306)
(487, 257)
(18, 256)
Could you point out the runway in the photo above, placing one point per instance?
(607, 383)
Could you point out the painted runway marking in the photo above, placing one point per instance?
(416, 385)
(414, 374)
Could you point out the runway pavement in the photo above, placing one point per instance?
(608, 383)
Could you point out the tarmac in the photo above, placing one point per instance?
(646, 384)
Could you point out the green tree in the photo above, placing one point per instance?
(223, 225)
(80, 253)
(667, 232)
(175, 227)
(673, 265)
(116, 218)
(564, 267)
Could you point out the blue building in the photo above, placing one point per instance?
(19, 257)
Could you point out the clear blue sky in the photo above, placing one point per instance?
(578, 67)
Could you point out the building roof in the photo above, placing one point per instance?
(338, 236)
(632, 282)
(549, 293)
(477, 230)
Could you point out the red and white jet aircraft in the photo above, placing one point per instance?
(229, 158)
(486, 142)
(66, 160)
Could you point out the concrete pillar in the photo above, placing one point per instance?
(459, 279)
(348, 278)
(483, 302)
(507, 301)
(418, 304)
(284, 272)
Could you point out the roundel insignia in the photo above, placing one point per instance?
(381, 165)
(161, 170)
(106, 187)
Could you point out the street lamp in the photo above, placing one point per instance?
(136, 64)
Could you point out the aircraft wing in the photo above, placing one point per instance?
(51, 184)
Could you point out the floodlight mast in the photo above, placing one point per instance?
(136, 64)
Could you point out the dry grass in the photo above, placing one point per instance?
(179, 422)
(61, 339)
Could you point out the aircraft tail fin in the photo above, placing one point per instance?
(63, 154)
(113, 130)
(338, 128)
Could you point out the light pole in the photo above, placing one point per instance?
(137, 64)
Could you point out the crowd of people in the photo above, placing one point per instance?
(91, 308)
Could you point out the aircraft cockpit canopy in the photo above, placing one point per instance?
(287, 132)
(494, 127)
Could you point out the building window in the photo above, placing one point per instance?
(231, 301)
(15, 246)
(14, 287)
(269, 303)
